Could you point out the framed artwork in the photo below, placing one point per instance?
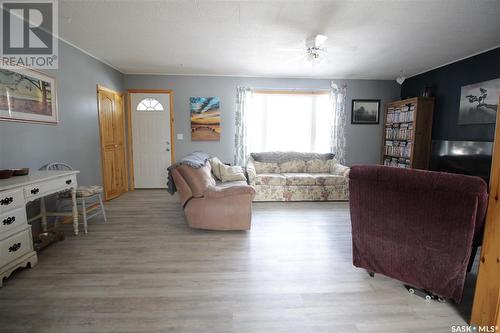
(365, 111)
(205, 118)
(479, 103)
(27, 95)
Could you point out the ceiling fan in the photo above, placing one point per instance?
(313, 51)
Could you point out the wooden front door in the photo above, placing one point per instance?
(486, 309)
(112, 132)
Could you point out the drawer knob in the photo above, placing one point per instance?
(6, 201)
(68, 181)
(35, 191)
(9, 220)
(15, 247)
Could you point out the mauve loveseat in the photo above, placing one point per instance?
(416, 226)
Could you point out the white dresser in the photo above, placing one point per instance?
(16, 241)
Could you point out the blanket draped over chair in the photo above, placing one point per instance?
(195, 160)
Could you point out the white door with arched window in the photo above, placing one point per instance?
(151, 139)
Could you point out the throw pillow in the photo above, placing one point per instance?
(231, 173)
(226, 173)
(264, 167)
(293, 166)
(318, 166)
(216, 164)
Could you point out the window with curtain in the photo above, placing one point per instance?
(290, 121)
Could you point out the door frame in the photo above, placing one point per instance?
(99, 89)
(486, 306)
(130, 140)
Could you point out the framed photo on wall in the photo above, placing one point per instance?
(479, 103)
(27, 95)
(365, 111)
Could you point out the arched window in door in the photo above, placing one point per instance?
(150, 104)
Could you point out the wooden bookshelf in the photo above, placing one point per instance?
(407, 133)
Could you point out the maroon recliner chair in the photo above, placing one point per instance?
(419, 227)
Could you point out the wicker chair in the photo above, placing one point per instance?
(87, 197)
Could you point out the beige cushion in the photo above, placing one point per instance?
(85, 191)
(198, 179)
(300, 179)
(231, 173)
(328, 179)
(293, 166)
(226, 173)
(274, 179)
(215, 165)
(319, 166)
(263, 167)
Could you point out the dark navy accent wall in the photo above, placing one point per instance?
(446, 82)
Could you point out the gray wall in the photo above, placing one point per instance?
(75, 139)
(363, 141)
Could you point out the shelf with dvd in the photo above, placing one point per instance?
(407, 133)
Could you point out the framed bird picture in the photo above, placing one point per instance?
(479, 103)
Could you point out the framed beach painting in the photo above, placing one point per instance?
(28, 96)
(205, 118)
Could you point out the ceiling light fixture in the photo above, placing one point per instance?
(400, 79)
(315, 51)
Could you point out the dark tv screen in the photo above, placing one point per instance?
(464, 157)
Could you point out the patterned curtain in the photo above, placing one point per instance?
(338, 146)
(241, 140)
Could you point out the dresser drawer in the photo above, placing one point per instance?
(11, 220)
(15, 246)
(10, 200)
(58, 184)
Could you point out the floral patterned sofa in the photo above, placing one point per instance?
(292, 176)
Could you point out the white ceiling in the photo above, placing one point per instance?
(367, 39)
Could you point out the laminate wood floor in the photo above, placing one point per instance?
(146, 271)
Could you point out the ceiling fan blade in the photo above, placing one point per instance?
(299, 49)
(319, 40)
(295, 59)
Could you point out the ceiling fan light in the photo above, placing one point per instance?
(319, 40)
(400, 79)
(311, 57)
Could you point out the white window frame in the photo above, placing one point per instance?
(314, 108)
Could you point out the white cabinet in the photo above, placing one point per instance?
(16, 240)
